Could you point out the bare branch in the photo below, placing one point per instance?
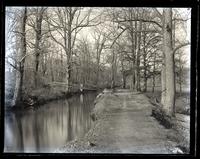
(180, 46)
(14, 66)
(118, 37)
(85, 25)
(180, 19)
(158, 13)
(143, 20)
(55, 38)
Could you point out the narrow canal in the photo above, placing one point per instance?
(49, 127)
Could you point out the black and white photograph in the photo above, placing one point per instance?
(97, 80)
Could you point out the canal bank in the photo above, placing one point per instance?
(123, 124)
(53, 124)
(38, 97)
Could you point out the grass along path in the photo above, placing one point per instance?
(125, 125)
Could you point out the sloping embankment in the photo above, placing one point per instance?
(180, 124)
(123, 124)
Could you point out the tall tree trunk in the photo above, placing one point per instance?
(62, 66)
(135, 55)
(44, 64)
(98, 56)
(154, 67)
(153, 85)
(18, 92)
(123, 76)
(67, 80)
(124, 81)
(133, 48)
(88, 69)
(169, 65)
(144, 60)
(51, 69)
(163, 81)
(138, 56)
(69, 50)
(69, 69)
(173, 47)
(180, 78)
(67, 63)
(38, 29)
(97, 77)
(145, 79)
(113, 70)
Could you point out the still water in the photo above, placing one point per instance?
(49, 127)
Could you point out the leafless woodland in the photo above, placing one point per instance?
(52, 51)
(98, 47)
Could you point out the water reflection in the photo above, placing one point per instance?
(49, 127)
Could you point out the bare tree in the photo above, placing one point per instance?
(35, 19)
(168, 98)
(100, 38)
(18, 92)
(132, 20)
(135, 41)
(180, 63)
(69, 22)
(39, 12)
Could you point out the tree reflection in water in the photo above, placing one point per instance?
(49, 127)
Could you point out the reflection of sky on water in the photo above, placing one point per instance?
(49, 127)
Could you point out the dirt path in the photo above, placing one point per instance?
(126, 126)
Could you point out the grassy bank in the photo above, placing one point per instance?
(122, 125)
(182, 101)
(35, 98)
(181, 132)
